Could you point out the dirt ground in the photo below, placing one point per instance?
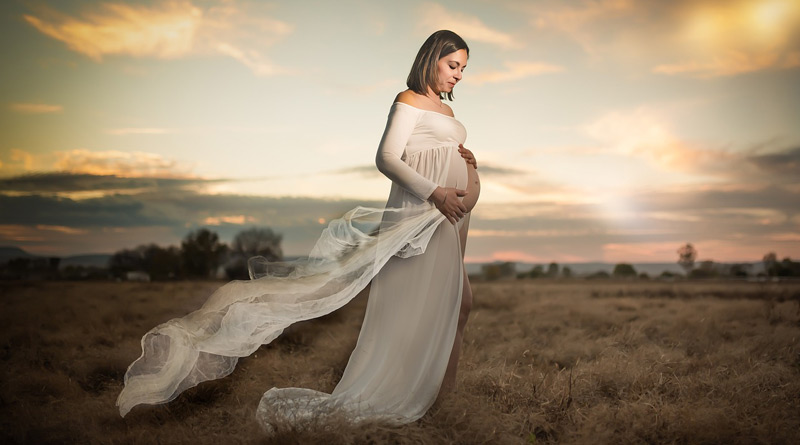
(543, 362)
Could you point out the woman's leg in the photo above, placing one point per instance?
(449, 381)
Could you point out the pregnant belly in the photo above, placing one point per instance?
(473, 188)
(464, 176)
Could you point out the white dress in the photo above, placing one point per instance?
(409, 251)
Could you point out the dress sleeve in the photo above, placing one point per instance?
(389, 161)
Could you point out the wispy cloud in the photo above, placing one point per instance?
(229, 219)
(120, 163)
(734, 37)
(101, 162)
(65, 183)
(364, 170)
(471, 28)
(62, 229)
(580, 21)
(168, 30)
(732, 63)
(514, 71)
(696, 38)
(30, 108)
(785, 163)
(644, 133)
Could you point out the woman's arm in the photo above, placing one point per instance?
(399, 127)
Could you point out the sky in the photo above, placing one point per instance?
(605, 130)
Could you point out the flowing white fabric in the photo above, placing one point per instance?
(408, 250)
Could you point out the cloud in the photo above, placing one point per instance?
(229, 219)
(580, 22)
(572, 19)
(642, 132)
(21, 160)
(514, 71)
(735, 37)
(27, 108)
(368, 170)
(106, 162)
(734, 62)
(471, 28)
(695, 38)
(62, 229)
(168, 30)
(66, 182)
(120, 163)
(786, 163)
(499, 170)
(163, 216)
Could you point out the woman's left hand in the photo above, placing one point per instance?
(468, 156)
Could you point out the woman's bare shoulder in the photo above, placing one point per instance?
(407, 97)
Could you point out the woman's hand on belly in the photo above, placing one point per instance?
(447, 200)
(468, 156)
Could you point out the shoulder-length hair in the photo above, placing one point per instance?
(424, 71)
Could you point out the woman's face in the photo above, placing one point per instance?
(450, 68)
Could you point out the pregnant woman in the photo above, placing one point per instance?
(411, 251)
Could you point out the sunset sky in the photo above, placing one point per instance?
(605, 130)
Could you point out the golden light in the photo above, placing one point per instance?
(741, 25)
(771, 21)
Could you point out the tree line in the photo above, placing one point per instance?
(687, 259)
(201, 254)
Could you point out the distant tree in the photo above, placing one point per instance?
(686, 256)
(124, 261)
(491, 272)
(789, 268)
(739, 270)
(771, 264)
(668, 276)
(599, 275)
(624, 270)
(18, 268)
(783, 268)
(644, 276)
(707, 269)
(566, 272)
(201, 252)
(496, 271)
(161, 263)
(252, 242)
(536, 272)
(552, 270)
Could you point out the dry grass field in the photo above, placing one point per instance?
(543, 362)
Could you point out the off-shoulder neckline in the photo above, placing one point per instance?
(427, 111)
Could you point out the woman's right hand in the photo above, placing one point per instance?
(446, 200)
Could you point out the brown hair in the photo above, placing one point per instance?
(424, 72)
